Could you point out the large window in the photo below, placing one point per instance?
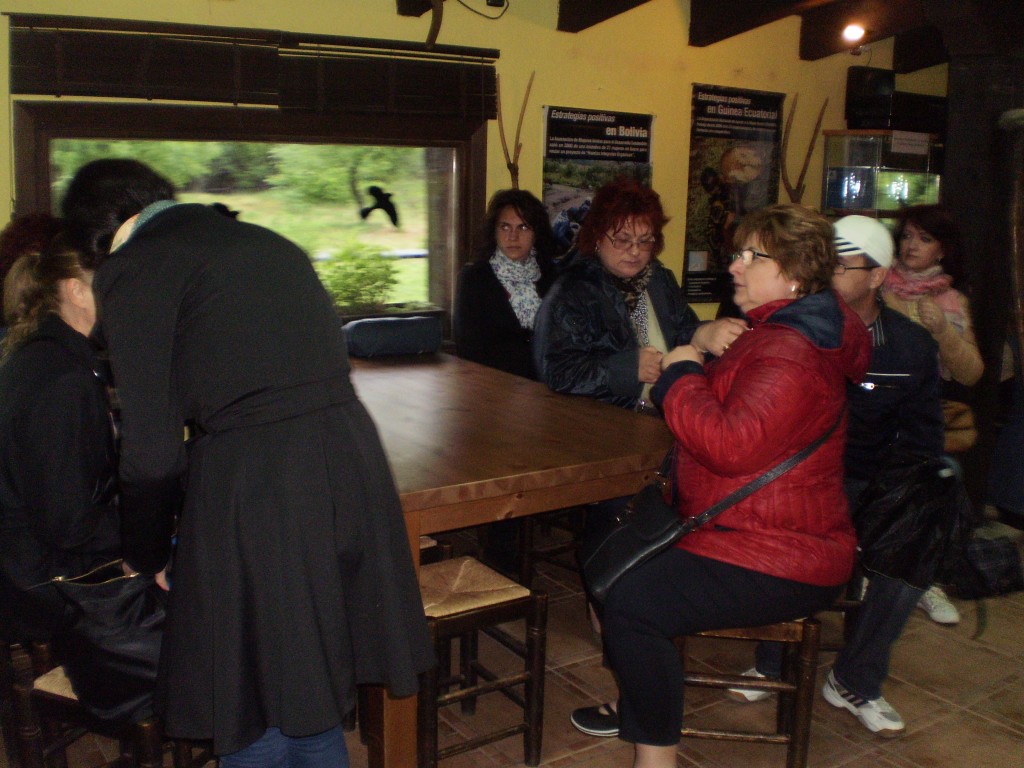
(300, 175)
(359, 211)
(328, 118)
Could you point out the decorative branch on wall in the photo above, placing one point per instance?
(436, 16)
(512, 162)
(795, 193)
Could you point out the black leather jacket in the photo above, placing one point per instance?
(584, 342)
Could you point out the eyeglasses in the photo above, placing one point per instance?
(506, 229)
(842, 268)
(623, 243)
(747, 256)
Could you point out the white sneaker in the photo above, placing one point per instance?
(935, 603)
(876, 714)
(748, 694)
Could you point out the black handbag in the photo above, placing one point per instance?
(651, 524)
(913, 518)
(110, 645)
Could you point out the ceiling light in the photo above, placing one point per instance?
(853, 33)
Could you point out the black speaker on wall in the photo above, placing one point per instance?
(872, 101)
(869, 97)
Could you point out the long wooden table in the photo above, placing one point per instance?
(470, 445)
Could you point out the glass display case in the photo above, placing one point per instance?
(875, 173)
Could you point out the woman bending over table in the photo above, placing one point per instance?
(786, 550)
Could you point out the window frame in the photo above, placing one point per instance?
(37, 123)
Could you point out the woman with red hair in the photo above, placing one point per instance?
(606, 323)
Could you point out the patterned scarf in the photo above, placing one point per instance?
(632, 290)
(519, 279)
(933, 282)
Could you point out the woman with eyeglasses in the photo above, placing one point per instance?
(786, 550)
(606, 323)
(498, 294)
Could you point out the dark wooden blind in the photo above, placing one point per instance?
(72, 56)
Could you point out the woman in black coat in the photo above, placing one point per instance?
(497, 296)
(57, 489)
(615, 310)
(293, 579)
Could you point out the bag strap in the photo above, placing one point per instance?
(754, 485)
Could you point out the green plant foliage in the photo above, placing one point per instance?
(340, 173)
(241, 166)
(358, 277)
(182, 169)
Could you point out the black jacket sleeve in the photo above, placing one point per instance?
(68, 472)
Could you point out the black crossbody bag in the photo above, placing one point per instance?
(651, 524)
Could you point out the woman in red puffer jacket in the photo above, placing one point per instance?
(786, 550)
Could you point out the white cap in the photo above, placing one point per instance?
(862, 235)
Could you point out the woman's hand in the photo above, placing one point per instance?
(680, 354)
(650, 365)
(715, 337)
(931, 316)
(160, 578)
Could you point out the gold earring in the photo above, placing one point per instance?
(792, 289)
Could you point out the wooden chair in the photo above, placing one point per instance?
(561, 553)
(462, 597)
(795, 688)
(48, 718)
(848, 605)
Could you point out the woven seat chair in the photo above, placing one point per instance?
(462, 597)
(48, 719)
(795, 688)
(560, 553)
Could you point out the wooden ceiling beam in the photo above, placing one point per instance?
(821, 31)
(577, 15)
(918, 49)
(412, 7)
(712, 21)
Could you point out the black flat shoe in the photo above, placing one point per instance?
(596, 721)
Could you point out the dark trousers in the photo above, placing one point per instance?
(678, 593)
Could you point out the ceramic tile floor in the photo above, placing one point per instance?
(962, 699)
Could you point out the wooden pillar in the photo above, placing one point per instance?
(977, 185)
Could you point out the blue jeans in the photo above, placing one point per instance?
(275, 750)
(863, 664)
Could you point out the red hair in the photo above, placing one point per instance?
(616, 203)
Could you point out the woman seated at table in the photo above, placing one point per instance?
(58, 485)
(498, 295)
(786, 550)
(607, 321)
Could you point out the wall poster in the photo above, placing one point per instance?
(584, 149)
(734, 169)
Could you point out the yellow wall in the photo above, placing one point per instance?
(638, 61)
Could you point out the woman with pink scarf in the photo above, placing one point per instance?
(927, 284)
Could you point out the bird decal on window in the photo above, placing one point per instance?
(381, 201)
